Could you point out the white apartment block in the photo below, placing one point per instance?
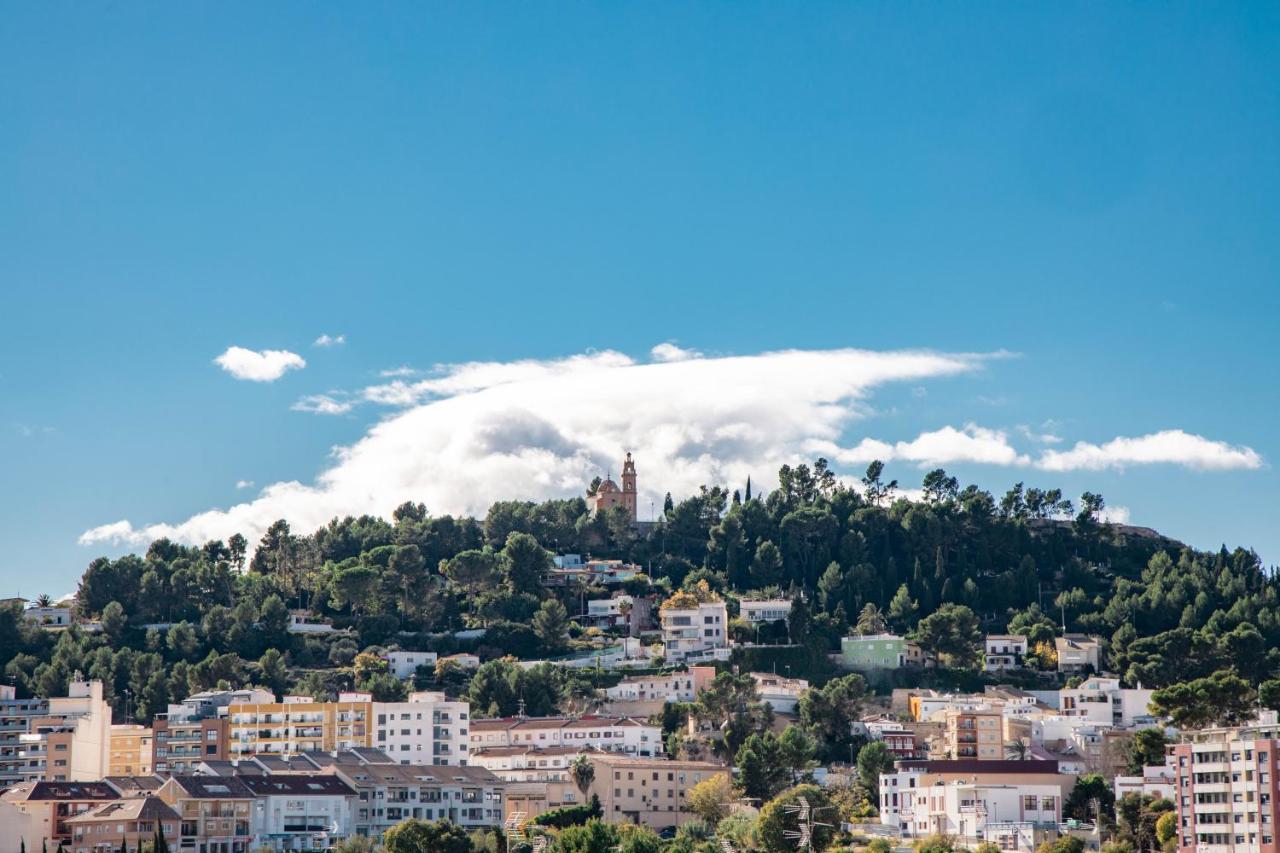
(1004, 651)
(1104, 701)
(613, 734)
(527, 763)
(71, 741)
(300, 811)
(404, 665)
(695, 633)
(428, 729)
(768, 610)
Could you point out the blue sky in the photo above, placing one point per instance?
(1092, 188)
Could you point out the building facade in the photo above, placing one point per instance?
(131, 750)
(608, 495)
(1003, 651)
(694, 631)
(613, 734)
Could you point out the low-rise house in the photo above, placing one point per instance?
(631, 613)
(404, 665)
(672, 687)
(303, 622)
(572, 569)
(613, 734)
(466, 660)
(783, 694)
(50, 616)
(51, 805)
(1078, 653)
(1158, 781)
(897, 737)
(1103, 700)
(130, 822)
(765, 610)
(873, 651)
(1003, 652)
(966, 798)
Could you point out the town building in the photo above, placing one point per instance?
(49, 806)
(299, 724)
(1103, 700)
(613, 734)
(630, 613)
(608, 495)
(296, 811)
(388, 793)
(571, 569)
(647, 791)
(466, 660)
(129, 822)
(765, 610)
(1228, 787)
(196, 729)
(694, 627)
(404, 665)
(131, 750)
(1078, 653)
(428, 729)
(673, 687)
(527, 763)
(783, 694)
(304, 622)
(873, 651)
(1158, 781)
(15, 720)
(971, 734)
(1003, 652)
(67, 739)
(215, 813)
(975, 800)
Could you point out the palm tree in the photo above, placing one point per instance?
(44, 600)
(583, 772)
(1017, 750)
(870, 620)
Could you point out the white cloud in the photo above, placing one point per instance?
(475, 433)
(265, 366)
(1114, 515)
(323, 404)
(668, 351)
(1171, 447)
(944, 446)
(1039, 437)
(326, 341)
(397, 372)
(244, 484)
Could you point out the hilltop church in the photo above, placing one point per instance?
(608, 495)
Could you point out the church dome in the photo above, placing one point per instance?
(607, 486)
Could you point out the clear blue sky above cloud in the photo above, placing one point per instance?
(1095, 189)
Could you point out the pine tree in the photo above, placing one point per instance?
(748, 494)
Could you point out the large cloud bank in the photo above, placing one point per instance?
(470, 434)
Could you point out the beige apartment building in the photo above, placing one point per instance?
(299, 724)
(131, 750)
(652, 792)
(970, 734)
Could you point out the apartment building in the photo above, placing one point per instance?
(527, 763)
(974, 800)
(972, 734)
(71, 741)
(196, 729)
(648, 791)
(1003, 651)
(611, 734)
(215, 813)
(428, 729)
(673, 687)
(1103, 700)
(388, 793)
(300, 811)
(694, 630)
(1226, 788)
(299, 724)
(15, 720)
(131, 750)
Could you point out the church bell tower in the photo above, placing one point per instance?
(629, 486)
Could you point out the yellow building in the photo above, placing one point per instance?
(299, 724)
(973, 733)
(131, 750)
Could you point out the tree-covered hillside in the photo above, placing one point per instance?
(945, 568)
